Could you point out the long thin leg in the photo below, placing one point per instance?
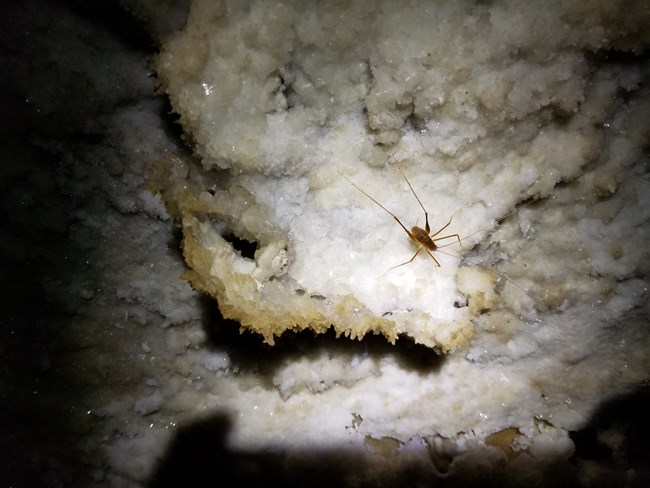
(426, 217)
(442, 228)
(446, 237)
(411, 260)
(385, 209)
(408, 232)
(414, 256)
(432, 257)
(426, 214)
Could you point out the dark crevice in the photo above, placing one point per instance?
(242, 246)
(249, 352)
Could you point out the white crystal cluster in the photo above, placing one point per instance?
(512, 120)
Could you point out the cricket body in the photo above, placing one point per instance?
(422, 237)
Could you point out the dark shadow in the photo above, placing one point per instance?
(199, 456)
(40, 387)
(617, 440)
(51, 108)
(113, 17)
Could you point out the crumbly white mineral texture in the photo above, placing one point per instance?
(481, 106)
(527, 362)
(523, 127)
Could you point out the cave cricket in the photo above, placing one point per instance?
(423, 237)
